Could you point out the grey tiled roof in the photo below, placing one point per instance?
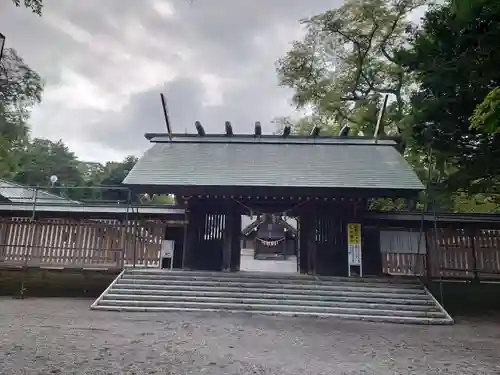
(17, 193)
(342, 163)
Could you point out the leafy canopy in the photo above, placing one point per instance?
(36, 6)
(347, 61)
(454, 58)
(486, 116)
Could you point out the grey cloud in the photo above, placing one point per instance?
(219, 33)
(33, 39)
(242, 107)
(144, 114)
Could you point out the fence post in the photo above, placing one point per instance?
(4, 235)
(471, 232)
(433, 256)
(31, 230)
(124, 228)
(428, 256)
(135, 243)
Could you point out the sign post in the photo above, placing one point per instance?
(167, 252)
(354, 249)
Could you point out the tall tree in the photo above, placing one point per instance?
(20, 89)
(43, 158)
(455, 56)
(347, 61)
(36, 6)
(112, 174)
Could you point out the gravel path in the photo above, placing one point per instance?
(61, 336)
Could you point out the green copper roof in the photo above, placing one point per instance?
(323, 162)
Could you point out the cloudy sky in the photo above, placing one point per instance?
(105, 62)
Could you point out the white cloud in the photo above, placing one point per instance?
(85, 94)
(164, 8)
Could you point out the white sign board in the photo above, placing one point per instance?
(355, 255)
(354, 246)
(167, 249)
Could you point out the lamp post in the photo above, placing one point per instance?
(2, 43)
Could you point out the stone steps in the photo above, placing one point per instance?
(265, 294)
(292, 295)
(262, 276)
(247, 300)
(255, 307)
(287, 289)
(202, 280)
(247, 284)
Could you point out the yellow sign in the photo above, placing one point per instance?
(354, 234)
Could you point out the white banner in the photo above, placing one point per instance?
(354, 255)
(270, 243)
(167, 249)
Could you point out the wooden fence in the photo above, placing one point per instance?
(111, 244)
(66, 243)
(454, 253)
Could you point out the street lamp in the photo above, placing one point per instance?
(2, 43)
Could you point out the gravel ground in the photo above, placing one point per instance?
(61, 336)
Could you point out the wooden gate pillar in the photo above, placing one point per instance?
(307, 229)
(4, 235)
(231, 242)
(236, 242)
(191, 240)
(227, 241)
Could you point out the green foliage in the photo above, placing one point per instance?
(112, 175)
(442, 77)
(454, 58)
(304, 125)
(436, 76)
(41, 159)
(20, 86)
(486, 116)
(36, 6)
(477, 203)
(164, 199)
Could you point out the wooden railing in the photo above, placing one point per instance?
(54, 243)
(404, 264)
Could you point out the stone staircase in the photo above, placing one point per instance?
(373, 299)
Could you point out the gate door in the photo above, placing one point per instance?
(210, 241)
(331, 246)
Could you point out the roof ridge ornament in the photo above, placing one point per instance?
(379, 128)
(344, 132)
(199, 129)
(258, 129)
(165, 115)
(315, 131)
(229, 129)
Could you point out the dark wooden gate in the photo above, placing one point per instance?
(303, 231)
(176, 234)
(331, 246)
(371, 254)
(211, 242)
